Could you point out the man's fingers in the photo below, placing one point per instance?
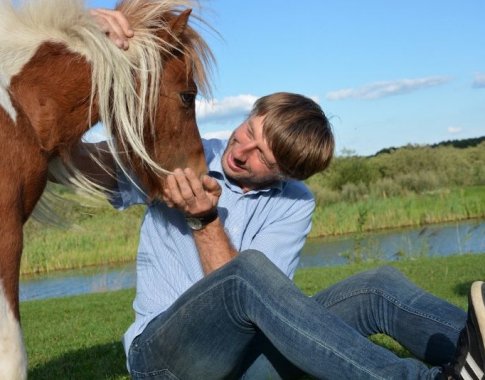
(184, 190)
(115, 25)
(185, 187)
(195, 183)
(121, 20)
(172, 191)
(211, 185)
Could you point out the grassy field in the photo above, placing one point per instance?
(79, 337)
(105, 236)
(404, 211)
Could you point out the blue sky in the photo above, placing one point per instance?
(386, 73)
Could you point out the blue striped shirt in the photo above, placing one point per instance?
(274, 221)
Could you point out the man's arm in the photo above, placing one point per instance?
(197, 197)
(214, 246)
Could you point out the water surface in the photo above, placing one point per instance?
(437, 240)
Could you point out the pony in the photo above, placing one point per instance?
(59, 75)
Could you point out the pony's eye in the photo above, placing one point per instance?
(188, 98)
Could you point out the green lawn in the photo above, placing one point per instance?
(79, 337)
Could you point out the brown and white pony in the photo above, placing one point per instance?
(59, 74)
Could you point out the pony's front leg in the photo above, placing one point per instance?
(13, 358)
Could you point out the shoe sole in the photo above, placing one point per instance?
(479, 307)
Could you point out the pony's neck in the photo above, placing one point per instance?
(54, 91)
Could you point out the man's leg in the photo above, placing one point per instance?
(208, 331)
(265, 362)
(384, 301)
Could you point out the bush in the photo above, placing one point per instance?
(354, 170)
(386, 187)
(418, 182)
(324, 196)
(354, 192)
(413, 168)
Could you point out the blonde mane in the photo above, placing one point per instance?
(125, 84)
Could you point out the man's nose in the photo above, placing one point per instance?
(243, 150)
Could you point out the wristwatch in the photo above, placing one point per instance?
(199, 222)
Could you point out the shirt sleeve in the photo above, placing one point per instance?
(282, 238)
(128, 192)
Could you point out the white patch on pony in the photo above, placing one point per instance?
(13, 359)
(5, 101)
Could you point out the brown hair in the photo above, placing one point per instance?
(297, 132)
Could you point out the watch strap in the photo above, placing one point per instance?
(203, 220)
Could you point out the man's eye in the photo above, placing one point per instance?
(188, 98)
(262, 159)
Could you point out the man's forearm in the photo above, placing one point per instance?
(214, 246)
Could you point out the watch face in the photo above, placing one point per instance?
(195, 223)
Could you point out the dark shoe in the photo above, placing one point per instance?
(469, 363)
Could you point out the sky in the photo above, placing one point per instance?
(386, 73)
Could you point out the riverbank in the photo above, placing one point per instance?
(80, 336)
(104, 236)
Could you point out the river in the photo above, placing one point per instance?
(436, 240)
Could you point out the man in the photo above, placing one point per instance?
(214, 297)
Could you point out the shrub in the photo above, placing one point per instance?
(325, 196)
(352, 192)
(418, 182)
(386, 187)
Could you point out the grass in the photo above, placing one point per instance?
(404, 211)
(79, 337)
(99, 236)
(106, 236)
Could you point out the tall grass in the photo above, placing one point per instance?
(373, 213)
(98, 236)
(105, 236)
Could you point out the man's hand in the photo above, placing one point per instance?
(197, 197)
(115, 25)
(193, 196)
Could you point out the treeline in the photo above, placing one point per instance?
(464, 143)
(397, 172)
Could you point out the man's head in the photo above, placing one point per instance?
(297, 132)
(285, 135)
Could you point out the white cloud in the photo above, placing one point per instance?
(386, 88)
(455, 130)
(223, 135)
(479, 81)
(226, 109)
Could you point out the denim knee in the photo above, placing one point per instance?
(383, 275)
(249, 260)
(252, 264)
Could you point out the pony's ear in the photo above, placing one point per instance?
(179, 23)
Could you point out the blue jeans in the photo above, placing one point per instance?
(248, 320)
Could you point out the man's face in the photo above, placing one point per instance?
(247, 159)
